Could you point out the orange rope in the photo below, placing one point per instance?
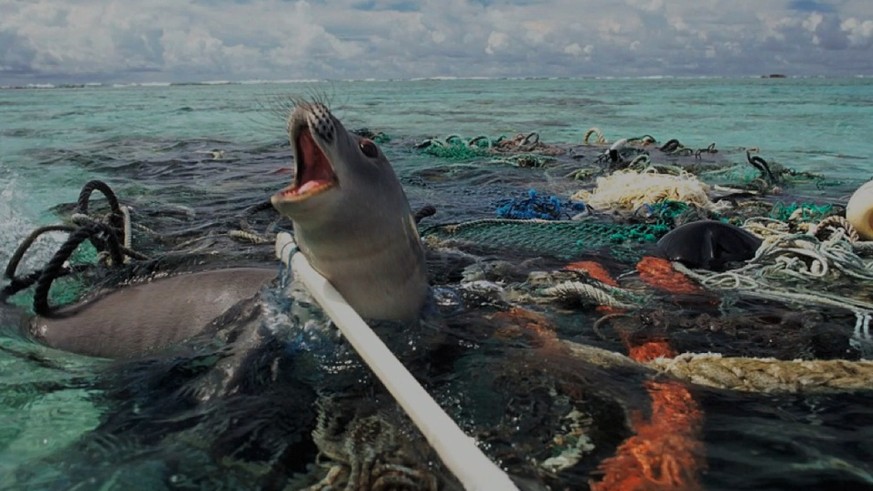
(659, 273)
(665, 452)
(650, 350)
(517, 322)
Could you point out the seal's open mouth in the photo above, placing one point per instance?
(314, 172)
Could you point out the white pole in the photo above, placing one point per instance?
(458, 451)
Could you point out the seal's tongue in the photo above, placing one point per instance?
(313, 168)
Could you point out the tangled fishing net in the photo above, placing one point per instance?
(522, 150)
(537, 206)
(808, 258)
(629, 190)
(564, 239)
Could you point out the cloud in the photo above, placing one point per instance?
(859, 33)
(166, 40)
(809, 6)
(16, 52)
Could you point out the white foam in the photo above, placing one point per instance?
(17, 220)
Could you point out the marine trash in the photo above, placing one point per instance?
(859, 211)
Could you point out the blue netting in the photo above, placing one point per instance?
(536, 206)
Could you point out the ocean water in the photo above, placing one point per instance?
(190, 158)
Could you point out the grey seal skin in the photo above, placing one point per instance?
(708, 244)
(351, 217)
(139, 319)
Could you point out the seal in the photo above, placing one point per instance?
(708, 244)
(143, 318)
(351, 217)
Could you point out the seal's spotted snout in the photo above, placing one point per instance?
(321, 122)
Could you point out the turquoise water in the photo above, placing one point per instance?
(155, 146)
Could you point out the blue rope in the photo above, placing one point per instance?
(536, 206)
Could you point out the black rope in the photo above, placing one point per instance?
(104, 236)
(670, 146)
(424, 212)
(762, 166)
(17, 284)
(116, 217)
(55, 267)
(645, 138)
(475, 141)
(89, 188)
(531, 139)
(698, 154)
(12, 265)
(252, 211)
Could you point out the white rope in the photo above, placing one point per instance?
(125, 212)
(730, 280)
(457, 450)
(861, 339)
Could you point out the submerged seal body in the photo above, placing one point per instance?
(142, 318)
(708, 244)
(351, 217)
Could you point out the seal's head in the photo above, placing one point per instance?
(351, 217)
(330, 164)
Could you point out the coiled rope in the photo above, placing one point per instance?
(629, 190)
(55, 267)
(103, 233)
(785, 257)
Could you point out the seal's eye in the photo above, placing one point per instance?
(369, 148)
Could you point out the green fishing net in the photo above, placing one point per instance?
(453, 151)
(806, 212)
(566, 239)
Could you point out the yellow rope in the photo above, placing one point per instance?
(583, 293)
(600, 140)
(768, 374)
(629, 190)
(246, 236)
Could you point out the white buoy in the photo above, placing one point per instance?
(859, 211)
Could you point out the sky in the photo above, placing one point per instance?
(124, 41)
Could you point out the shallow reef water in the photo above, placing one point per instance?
(518, 340)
